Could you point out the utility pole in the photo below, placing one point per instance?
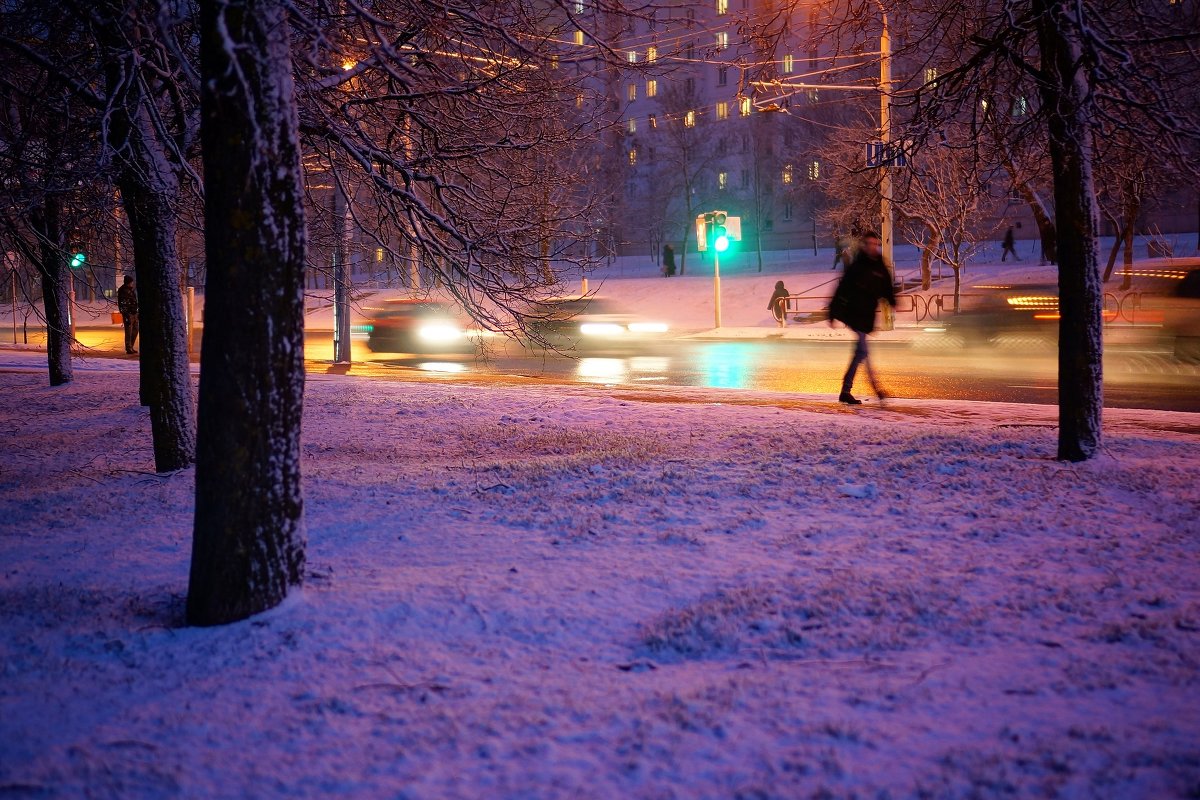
(341, 276)
(885, 181)
(716, 289)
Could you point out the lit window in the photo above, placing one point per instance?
(553, 62)
(787, 175)
(689, 119)
(579, 8)
(722, 76)
(652, 54)
(744, 106)
(632, 156)
(722, 110)
(579, 100)
(633, 56)
(652, 122)
(814, 170)
(983, 104)
(378, 254)
(789, 64)
(579, 38)
(632, 125)
(931, 74)
(1020, 107)
(722, 180)
(631, 91)
(814, 96)
(652, 88)
(722, 40)
(722, 6)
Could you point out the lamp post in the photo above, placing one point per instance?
(885, 181)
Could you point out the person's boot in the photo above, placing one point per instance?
(849, 399)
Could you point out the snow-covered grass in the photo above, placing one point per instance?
(569, 593)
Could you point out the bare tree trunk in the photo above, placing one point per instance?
(1127, 280)
(166, 380)
(149, 187)
(248, 548)
(927, 253)
(1065, 94)
(56, 298)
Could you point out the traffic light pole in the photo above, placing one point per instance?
(716, 288)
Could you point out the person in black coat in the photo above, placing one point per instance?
(127, 304)
(866, 281)
(1009, 245)
(776, 307)
(668, 257)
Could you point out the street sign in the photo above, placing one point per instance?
(886, 154)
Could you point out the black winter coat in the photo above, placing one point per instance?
(865, 282)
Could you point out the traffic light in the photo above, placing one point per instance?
(77, 259)
(720, 236)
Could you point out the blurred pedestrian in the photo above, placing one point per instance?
(668, 260)
(127, 304)
(776, 303)
(864, 283)
(840, 245)
(1009, 246)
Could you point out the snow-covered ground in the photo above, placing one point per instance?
(575, 593)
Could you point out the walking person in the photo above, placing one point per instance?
(775, 304)
(864, 283)
(668, 261)
(127, 304)
(1009, 246)
(840, 246)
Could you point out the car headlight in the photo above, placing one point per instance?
(647, 327)
(439, 332)
(601, 329)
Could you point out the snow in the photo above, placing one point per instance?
(527, 592)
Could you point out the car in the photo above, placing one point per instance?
(589, 322)
(1023, 317)
(417, 326)
(1181, 317)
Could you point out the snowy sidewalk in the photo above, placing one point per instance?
(571, 593)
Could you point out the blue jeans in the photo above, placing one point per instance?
(861, 356)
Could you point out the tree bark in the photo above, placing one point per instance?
(166, 381)
(1065, 91)
(248, 548)
(56, 299)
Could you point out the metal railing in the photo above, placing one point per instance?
(1118, 309)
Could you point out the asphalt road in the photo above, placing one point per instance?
(1145, 377)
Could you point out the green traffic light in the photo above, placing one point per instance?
(721, 243)
(77, 260)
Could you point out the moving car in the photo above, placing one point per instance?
(591, 323)
(1023, 317)
(1181, 317)
(417, 326)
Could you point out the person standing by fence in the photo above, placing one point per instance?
(776, 303)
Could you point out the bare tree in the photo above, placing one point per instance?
(685, 158)
(127, 72)
(248, 548)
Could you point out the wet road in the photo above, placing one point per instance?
(1135, 377)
